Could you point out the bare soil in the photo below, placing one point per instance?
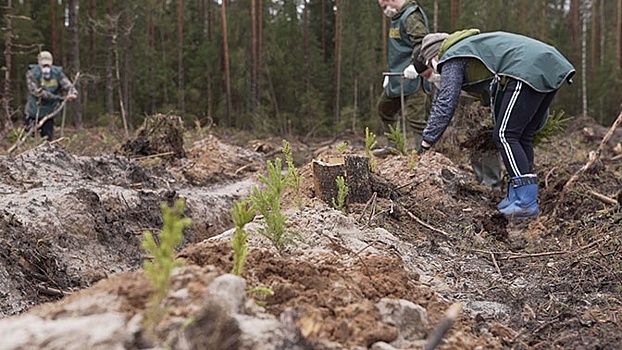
(73, 213)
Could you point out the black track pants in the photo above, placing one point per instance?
(523, 111)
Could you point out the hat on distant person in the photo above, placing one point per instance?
(430, 45)
(45, 58)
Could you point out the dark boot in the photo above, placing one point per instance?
(525, 204)
(487, 168)
(418, 139)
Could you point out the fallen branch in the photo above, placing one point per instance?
(594, 155)
(422, 223)
(36, 127)
(494, 261)
(52, 291)
(154, 155)
(372, 202)
(515, 256)
(603, 198)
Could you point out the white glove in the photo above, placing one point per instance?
(410, 72)
(385, 82)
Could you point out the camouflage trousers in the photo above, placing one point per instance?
(416, 109)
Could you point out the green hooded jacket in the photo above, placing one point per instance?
(507, 55)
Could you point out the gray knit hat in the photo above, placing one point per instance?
(430, 45)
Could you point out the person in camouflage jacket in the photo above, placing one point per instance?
(409, 24)
(46, 83)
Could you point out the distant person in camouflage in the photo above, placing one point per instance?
(409, 24)
(46, 83)
(519, 76)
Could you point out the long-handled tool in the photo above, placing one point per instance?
(62, 124)
(401, 75)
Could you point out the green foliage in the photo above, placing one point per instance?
(412, 159)
(342, 193)
(396, 135)
(370, 143)
(260, 294)
(242, 213)
(341, 147)
(163, 256)
(555, 125)
(16, 134)
(294, 179)
(268, 203)
(298, 80)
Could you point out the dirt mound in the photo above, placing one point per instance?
(432, 239)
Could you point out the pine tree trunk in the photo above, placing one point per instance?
(543, 21)
(454, 14)
(324, 48)
(253, 58)
(305, 44)
(7, 125)
(117, 72)
(206, 12)
(259, 51)
(109, 99)
(127, 47)
(225, 52)
(594, 38)
(75, 57)
(619, 41)
(435, 21)
(151, 42)
(90, 89)
(584, 56)
(337, 61)
(180, 57)
(523, 13)
(53, 29)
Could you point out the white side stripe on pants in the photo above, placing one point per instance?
(504, 124)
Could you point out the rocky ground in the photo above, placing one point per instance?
(379, 276)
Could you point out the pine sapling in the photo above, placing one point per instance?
(395, 134)
(242, 213)
(268, 203)
(293, 177)
(413, 159)
(260, 294)
(159, 269)
(341, 147)
(370, 143)
(556, 124)
(342, 193)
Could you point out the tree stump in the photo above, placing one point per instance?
(355, 171)
(160, 134)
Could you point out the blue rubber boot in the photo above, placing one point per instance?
(525, 204)
(509, 199)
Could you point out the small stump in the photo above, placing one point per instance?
(353, 168)
(160, 134)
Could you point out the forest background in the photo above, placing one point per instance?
(307, 67)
